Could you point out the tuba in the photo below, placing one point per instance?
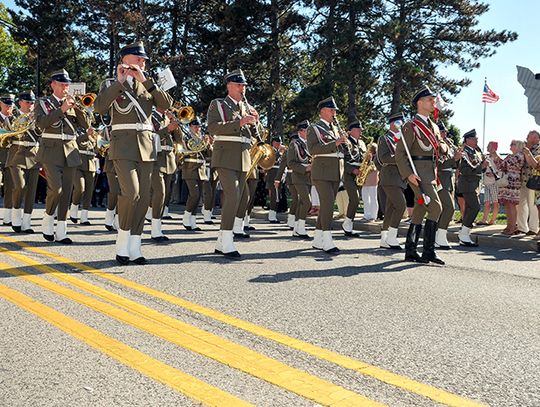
(19, 126)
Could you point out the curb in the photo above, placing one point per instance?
(488, 237)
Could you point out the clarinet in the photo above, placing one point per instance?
(256, 132)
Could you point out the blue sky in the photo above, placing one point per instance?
(508, 118)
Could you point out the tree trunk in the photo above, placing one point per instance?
(275, 114)
(351, 88)
(399, 73)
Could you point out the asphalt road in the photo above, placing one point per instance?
(396, 333)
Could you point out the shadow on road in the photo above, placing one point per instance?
(394, 266)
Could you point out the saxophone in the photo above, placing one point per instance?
(366, 166)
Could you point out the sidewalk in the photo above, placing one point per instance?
(489, 236)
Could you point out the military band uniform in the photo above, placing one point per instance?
(133, 150)
(24, 171)
(83, 185)
(231, 159)
(194, 174)
(446, 169)
(354, 155)
(111, 218)
(243, 217)
(393, 186)
(59, 155)
(424, 148)
(209, 187)
(298, 161)
(163, 171)
(5, 123)
(326, 174)
(274, 174)
(468, 183)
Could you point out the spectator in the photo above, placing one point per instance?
(491, 194)
(527, 215)
(534, 163)
(511, 166)
(369, 190)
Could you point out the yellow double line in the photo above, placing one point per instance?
(192, 338)
(176, 379)
(382, 375)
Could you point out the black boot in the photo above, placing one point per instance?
(413, 235)
(429, 254)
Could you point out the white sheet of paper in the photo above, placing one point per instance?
(166, 79)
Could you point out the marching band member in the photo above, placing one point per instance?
(272, 176)
(416, 156)
(193, 173)
(299, 161)
(324, 141)
(59, 118)
(209, 186)
(164, 169)
(7, 103)
(129, 100)
(471, 167)
(227, 121)
(391, 182)
(24, 169)
(83, 186)
(354, 155)
(446, 169)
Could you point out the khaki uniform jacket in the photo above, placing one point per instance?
(470, 171)
(389, 175)
(133, 145)
(224, 120)
(321, 139)
(298, 158)
(419, 146)
(88, 162)
(354, 155)
(276, 171)
(166, 159)
(25, 156)
(51, 120)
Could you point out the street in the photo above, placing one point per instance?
(286, 325)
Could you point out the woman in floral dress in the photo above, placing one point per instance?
(509, 195)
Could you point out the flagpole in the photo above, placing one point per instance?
(484, 125)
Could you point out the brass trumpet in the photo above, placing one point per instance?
(185, 114)
(87, 100)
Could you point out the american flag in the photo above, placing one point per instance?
(488, 96)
